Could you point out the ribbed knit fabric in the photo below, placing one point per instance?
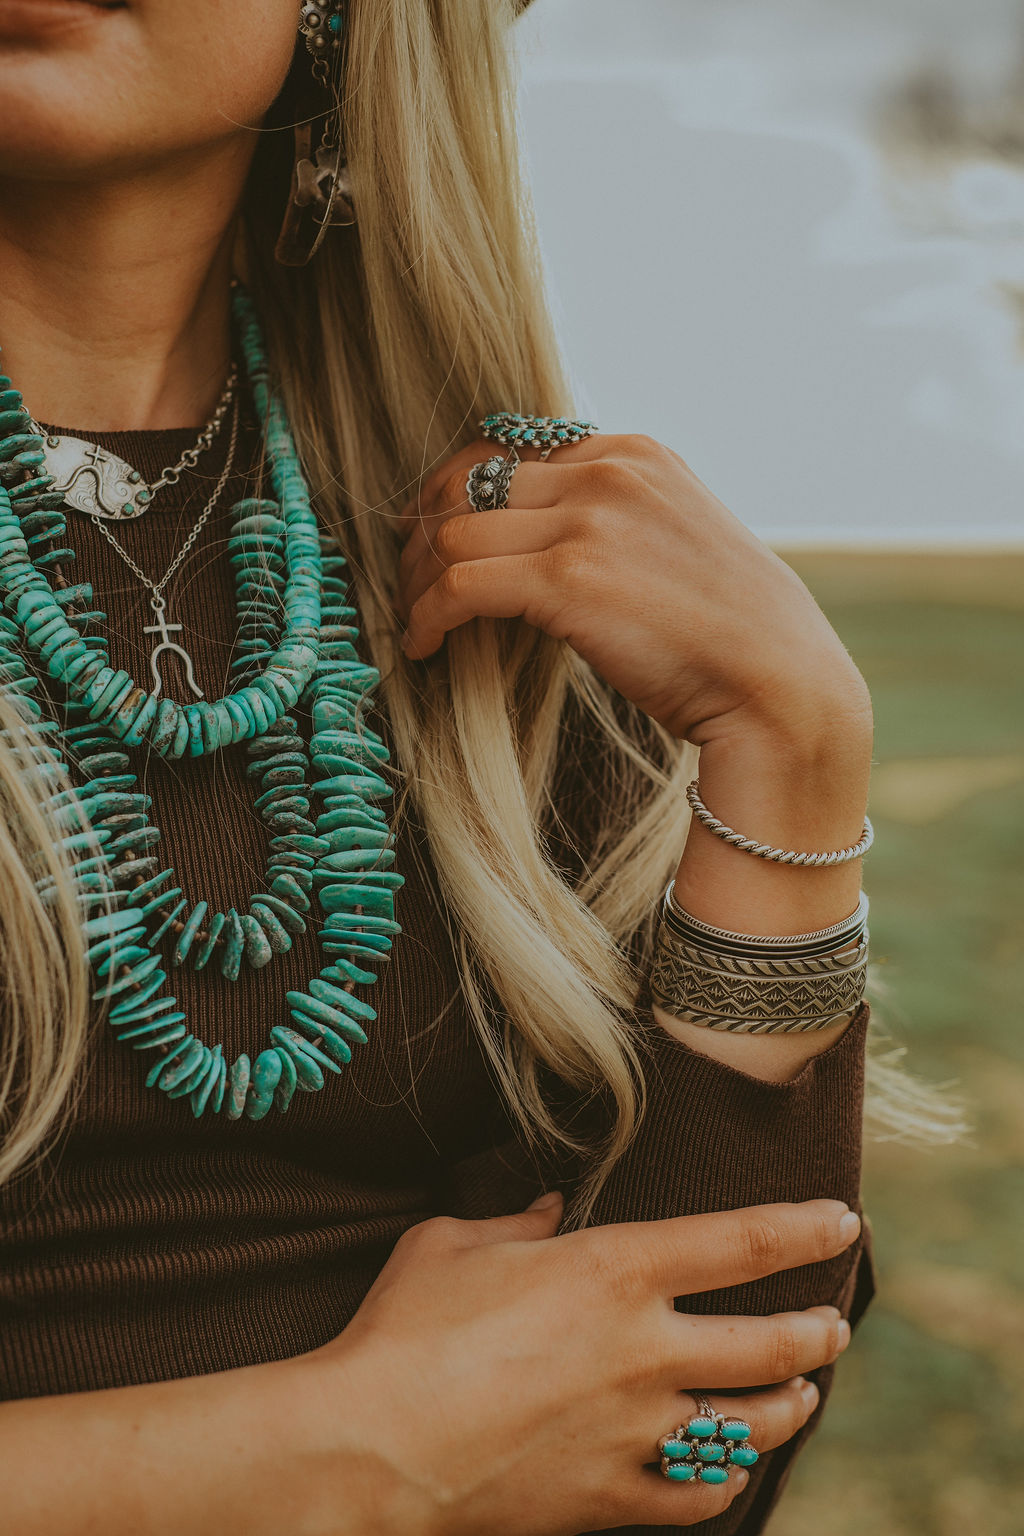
(150, 1246)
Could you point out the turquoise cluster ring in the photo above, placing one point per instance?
(705, 1448)
(543, 432)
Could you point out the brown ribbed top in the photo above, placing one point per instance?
(152, 1246)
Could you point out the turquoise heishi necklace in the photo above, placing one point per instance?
(295, 651)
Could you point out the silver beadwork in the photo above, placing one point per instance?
(764, 850)
(487, 488)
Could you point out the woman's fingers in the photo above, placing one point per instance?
(773, 1416)
(687, 1254)
(472, 536)
(749, 1351)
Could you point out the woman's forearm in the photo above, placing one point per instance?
(796, 778)
(247, 1450)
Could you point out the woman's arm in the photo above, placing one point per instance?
(436, 1412)
(792, 772)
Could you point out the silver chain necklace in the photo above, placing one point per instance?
(98, 482)
(157, 600)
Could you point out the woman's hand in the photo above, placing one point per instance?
(507, 1381)
(615, 546)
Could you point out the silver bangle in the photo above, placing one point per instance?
(764, 850)
(744, 994)
(821, 941)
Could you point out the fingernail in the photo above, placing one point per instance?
(545, 1202)
(843, 1332)
(849, 1227)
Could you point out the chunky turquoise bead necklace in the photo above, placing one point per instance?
(295, 649)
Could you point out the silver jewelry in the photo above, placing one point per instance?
(545, 432)
(706, 1447)
(487, 488)
(156, 588)
(823, 941)
(764, 850)
(743, 995)
(95, 481)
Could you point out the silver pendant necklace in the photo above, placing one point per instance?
(98, 482)
(157, 600)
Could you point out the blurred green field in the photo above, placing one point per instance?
(925, 1434)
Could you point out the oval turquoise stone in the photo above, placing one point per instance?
(701, 1428)
(743, 1456)
(680, 1472)
(711, 1452)
(735, 1429)
(714, 1475)
(238, 1087)
(266, 1074)
(675, 1450)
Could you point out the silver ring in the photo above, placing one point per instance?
(489, 481)
(704, 1448)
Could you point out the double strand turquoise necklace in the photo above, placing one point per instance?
(295, 650)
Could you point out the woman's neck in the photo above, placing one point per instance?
(114, 310)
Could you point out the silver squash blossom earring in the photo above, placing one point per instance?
(321, 195)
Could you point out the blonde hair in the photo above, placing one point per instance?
(390, 347)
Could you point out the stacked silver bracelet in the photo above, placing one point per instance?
(749, 984)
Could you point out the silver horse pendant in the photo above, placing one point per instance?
(92, 480)
(164, 630)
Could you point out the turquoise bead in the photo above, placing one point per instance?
(343, 970)
(258, 950)
(183, 1067)
(266, 1074)
(161, 1066)
(279, 939)
(680, 1472)
(122, 955)
(137, 732)
(172, 917)
(310, 1079)
(182, 737)
(220, 1087)
(148, 888)
(346, 898)
(285, 1090)
(714, 1474)
(743, 1456)
(286, 916)
(138, 974)
(217, 922)
(192, 1080)
(133, 1012)
(195, 729)
(187, 935)
(201, 1094)
(159, 1037)
(234, 946)
(290, 893)
(324, 1038)
(165, 726)
(339, 997)
(238, 1087)
(357, 861)
(291, 1040)
(149, 989)
(735, 1429)
(153, 1027)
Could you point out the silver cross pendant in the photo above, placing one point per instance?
(164, 630)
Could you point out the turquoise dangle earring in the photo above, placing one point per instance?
(321, 193)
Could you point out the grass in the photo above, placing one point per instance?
(924, 1433)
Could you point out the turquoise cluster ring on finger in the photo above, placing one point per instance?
(705, 1447)
(544, 432)
(488, 485)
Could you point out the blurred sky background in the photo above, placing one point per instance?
(786, 237)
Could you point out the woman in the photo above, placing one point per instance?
(357, 1316)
